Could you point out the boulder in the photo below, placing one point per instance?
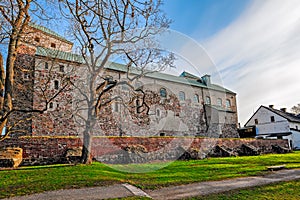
(279, 149)
(248, 150)
(11, 157)
(73, 155)
(222, 151)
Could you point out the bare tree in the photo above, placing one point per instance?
(15, 16)
(296, 109)
(114, 29)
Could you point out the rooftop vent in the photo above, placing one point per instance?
(283, 109)
(206, 79)
(271, 106)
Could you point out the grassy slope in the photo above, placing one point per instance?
(28, 180)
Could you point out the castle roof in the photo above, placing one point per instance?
(45, 52)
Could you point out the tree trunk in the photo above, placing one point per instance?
(9, 77)
(2, 81)
(86, 157)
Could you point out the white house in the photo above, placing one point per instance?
(272, 123)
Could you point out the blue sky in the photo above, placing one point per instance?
(254, 44)
(200, 19)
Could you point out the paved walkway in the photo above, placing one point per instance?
(173, 192)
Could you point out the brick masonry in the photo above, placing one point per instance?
(48, 150)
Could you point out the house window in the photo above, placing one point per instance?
(46, 65)
(56, 85)
(207, 100)
(50, 105)
(163, 92)
(53, 45)
(162, 134)
(296, 127)
(219, 102)
(256, 121)
(196, 98)
(272, 119)
(37, 39)
(181, 96)
(228, 103)
(61, 68)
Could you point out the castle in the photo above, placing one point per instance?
(184, 105)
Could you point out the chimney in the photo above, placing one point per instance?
(283, 109)
(271, 106)
(206, 79)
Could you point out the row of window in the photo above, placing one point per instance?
(181, 96)
(61, 67)
(37, 39)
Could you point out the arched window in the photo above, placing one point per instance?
(163, 92)
(181, 96)
(196, 98)
(207, 100)
(219, 102)
(228, 103)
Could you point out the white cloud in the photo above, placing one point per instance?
(258, 55)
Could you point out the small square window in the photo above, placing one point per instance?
(53, 45)
(37, 39)
(272, 119)
(61, 68)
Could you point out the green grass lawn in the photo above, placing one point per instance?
(281, 191)
(27, 180)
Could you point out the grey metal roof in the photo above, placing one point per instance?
(48, 31)
(289, 116)
(41, 51)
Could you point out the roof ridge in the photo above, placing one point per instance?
(69, 56)
(286, 115)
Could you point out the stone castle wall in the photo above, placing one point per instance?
(47, 150)
(168, 116)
